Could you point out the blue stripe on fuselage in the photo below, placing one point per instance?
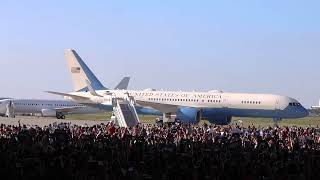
(289, 112)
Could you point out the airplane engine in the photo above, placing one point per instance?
(220, 120)
(188, 115)
(48, 113)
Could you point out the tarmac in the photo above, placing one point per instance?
(45, 121)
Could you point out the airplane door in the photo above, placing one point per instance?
(277, 108)
(225, 102)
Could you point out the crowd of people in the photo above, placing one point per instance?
(176, 151)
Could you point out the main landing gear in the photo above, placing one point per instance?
(60, 115)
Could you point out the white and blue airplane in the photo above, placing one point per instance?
(54, 108)
(217, 107)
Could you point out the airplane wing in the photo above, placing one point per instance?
(165, 108)
(76, 97)
(123, 84)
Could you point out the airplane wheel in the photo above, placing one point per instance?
(59, 116)
(63, 117)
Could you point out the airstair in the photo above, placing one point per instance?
(124, 111)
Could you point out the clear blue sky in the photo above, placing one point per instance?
(238, 46)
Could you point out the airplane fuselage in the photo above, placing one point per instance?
(211, 103)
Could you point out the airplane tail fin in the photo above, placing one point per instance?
(123, 85)
(81, 73)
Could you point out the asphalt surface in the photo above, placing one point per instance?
(43, 121)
